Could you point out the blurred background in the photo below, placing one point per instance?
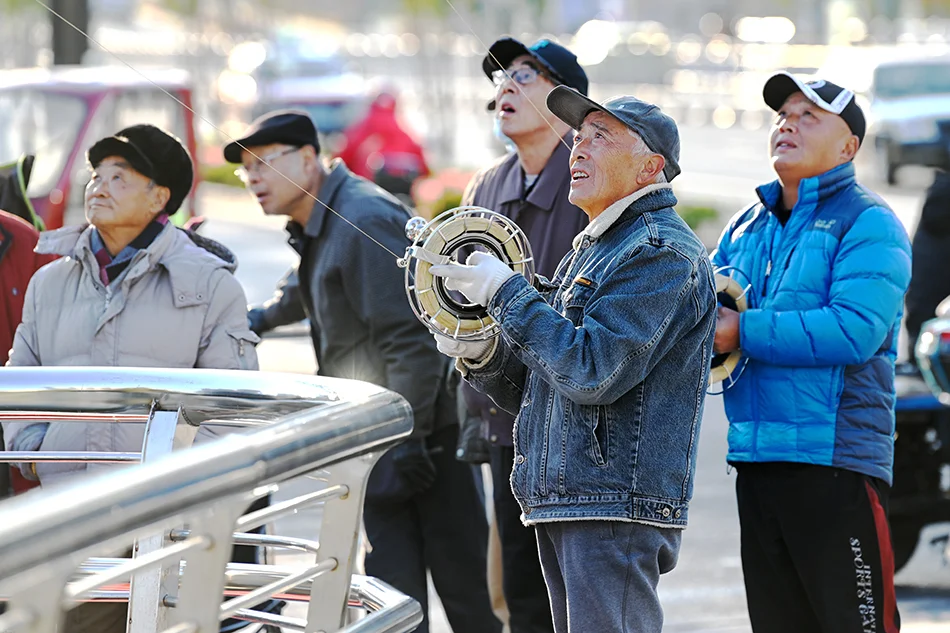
(204, 68)
(703, 61)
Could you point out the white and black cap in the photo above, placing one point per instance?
(824, 94)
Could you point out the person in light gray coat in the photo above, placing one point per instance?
(130, 289)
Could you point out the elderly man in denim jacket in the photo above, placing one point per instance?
(606, 367)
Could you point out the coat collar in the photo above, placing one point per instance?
(638, 202)
(545, 190)
(811, 191)
(187, 259)
(335, 178)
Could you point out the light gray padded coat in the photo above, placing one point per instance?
(178, 305)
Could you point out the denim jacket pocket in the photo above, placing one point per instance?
(599, 417)
(576, 298)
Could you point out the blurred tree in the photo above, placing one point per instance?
(936, 7)
(8, 7)
(187, 8)
(69, 44)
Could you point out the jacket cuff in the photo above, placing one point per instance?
(754, 339)
(507, 296)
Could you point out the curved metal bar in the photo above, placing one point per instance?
(267, 591)
(345, 419)
(69, 456)
(203, 393)
(248, 615)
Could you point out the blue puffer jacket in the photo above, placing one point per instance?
(821, 329)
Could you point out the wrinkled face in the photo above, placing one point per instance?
(608, 162)
(806, 140)
(277, 175)
(520, 108)
(118, 196)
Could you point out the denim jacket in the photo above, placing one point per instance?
(606, 369)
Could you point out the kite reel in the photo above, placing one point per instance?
(445, 239)
(728, 367)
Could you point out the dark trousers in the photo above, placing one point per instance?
(442, 530)
(816, 550)
(529, 609)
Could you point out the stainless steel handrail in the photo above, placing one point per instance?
(203, 394)
(326, 424)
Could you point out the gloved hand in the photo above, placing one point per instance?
(478, 279)
(415, 467)
(470, 350)
(256, 321)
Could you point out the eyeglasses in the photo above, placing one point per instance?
(523, 76)
(244, 172)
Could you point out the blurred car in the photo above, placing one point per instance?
(920, 494)
(909, 117)
(333, 97)
(56, 114)
(933, 352)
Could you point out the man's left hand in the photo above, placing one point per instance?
(478, 279)
(727, 331)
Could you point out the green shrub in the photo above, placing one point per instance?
(694, 216)
(222, 174)
(449, 199)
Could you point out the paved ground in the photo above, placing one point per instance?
(704, 594)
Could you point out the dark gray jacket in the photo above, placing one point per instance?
(354, 295)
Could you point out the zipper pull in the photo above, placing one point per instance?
(768, 272)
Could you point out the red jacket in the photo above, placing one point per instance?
(18, 262)
(379, 140)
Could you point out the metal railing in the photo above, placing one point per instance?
(183, 508)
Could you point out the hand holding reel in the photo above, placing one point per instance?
(728, 367)
(440, 241)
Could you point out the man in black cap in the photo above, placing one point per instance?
(421, 511)
(530, 186)
(606, 366)
(811, 418)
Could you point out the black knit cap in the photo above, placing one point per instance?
(291, 127)
(155, 154)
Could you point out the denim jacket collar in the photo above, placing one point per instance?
(611, 214)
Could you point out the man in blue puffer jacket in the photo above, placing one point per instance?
(811, 419)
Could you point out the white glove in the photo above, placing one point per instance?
(478, 279)
(469, 350)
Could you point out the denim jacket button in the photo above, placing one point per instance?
(666, 512)
(677, 514)
(519, 459)
(527, 401)
(496, 311)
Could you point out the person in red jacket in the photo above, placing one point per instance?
(379, 149)
(18, 262)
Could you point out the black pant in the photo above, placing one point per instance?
(442, 530)
(816, 550)
(529, 609)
